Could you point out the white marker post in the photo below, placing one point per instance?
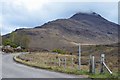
(79, 58)
(102, 65)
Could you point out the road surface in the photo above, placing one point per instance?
(11, 69)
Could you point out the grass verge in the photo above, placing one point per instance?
(53, 68)
(67, 70)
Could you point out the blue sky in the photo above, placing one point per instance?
(30, 13)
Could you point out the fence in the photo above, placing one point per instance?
(102, 63)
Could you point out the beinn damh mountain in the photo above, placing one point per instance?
(84, 28)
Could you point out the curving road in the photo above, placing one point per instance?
(11, 69)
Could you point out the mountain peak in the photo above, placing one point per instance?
(89, 16)
(88, 13)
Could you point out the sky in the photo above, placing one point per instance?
(15, 14)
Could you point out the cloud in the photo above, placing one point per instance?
(31, 13)
(9, 28)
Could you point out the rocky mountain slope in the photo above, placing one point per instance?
(84, 28)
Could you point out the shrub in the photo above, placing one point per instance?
(59, 51)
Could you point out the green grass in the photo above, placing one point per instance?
(105, 75)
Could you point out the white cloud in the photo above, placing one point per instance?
(9, 28)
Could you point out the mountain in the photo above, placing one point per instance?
(84, 28)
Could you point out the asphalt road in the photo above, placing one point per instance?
(11, 69)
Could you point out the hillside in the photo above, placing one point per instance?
(84, 28)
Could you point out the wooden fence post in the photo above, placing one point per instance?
(62, 61)
(79, 57)
(65, 62)
(72, 62)
(90, 64)
(54, 62)
(59, 61)
(101, 61)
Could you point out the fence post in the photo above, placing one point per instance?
(90, 64)
(79, 58)
(102, 65)
(93, 64)
(62, 61)
(65, 62)
(59, 61)
(72, 62)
